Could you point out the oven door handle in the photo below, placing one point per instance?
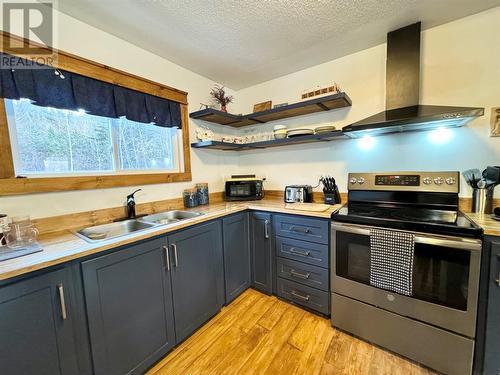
(458, 243)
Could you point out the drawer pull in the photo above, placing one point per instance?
(167, 258)
(266, 229)
(300, 230)
(299, 296)
(299, 253)
(304, 276)
(62, 301)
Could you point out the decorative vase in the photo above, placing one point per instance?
(223, 108)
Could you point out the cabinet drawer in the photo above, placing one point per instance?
(301, 228)
(303, 273)
(306, 252)
(311, 298)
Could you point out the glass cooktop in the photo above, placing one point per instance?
(438, 221)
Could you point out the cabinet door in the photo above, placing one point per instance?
(36, 326)
(197, 276)
(129, 308)
(492, 343)
(236, 255)
(262, 264)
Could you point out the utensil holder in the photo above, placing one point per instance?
(482, 200)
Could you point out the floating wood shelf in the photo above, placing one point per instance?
(324, 137)
(324, 103)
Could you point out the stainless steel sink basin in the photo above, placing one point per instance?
(170, 217)
(113, 230)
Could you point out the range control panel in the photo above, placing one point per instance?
(446, 182)
(399, 180)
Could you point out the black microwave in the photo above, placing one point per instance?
(244, 188)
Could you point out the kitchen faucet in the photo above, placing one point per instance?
(131, 205)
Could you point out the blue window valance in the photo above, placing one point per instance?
(65, 90)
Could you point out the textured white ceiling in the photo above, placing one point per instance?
(241, 43)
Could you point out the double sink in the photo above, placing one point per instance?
(125, 227)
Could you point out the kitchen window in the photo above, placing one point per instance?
(83, 125)
(56, 142)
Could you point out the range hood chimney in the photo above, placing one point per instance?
(403, 111)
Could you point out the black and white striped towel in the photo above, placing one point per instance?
(391, 258)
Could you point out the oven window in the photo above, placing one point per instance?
(440, 274)
(242, 190)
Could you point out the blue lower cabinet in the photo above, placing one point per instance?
(129, 308)
(262, 252)
(236, 255)
(197, 276)
(306, 296)
(36, 326)
(489, 331)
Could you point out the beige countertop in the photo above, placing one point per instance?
(65, 246)
(490, 226)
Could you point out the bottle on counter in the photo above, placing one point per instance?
(202, 191)
(190, 198)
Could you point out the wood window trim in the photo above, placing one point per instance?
(10, 185)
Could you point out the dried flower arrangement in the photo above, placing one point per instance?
(219, 94)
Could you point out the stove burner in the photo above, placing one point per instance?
(438, 221)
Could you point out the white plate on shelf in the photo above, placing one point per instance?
(324, 129)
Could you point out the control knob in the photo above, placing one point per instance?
(353, 180)
(361, 180)
(451, 181)
(438, 180)
(427, 180)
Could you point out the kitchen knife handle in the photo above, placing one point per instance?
(62, 301)
(266, 229)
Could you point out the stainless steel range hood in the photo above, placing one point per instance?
(403, 111)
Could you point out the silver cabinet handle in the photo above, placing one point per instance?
(304, 276)
(167, 257)
(497, 281)
(60, 289)
(174, 247)
(299, 253)
(300, 230)
(266, 229)
(299, 296)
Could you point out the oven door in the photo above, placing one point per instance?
(445, 277)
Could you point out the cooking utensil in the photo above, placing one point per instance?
(491, 175)
(472, 177)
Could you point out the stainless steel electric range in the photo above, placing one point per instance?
(429, 253)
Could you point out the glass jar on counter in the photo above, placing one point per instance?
(202, 190)
(190, 198)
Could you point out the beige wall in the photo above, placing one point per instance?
(83, 40)
(460, 66)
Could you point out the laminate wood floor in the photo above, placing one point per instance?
(259, 334)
